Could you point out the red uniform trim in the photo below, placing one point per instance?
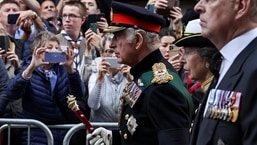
(135, 22)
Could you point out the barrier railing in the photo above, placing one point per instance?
(8, 123)
(25, 123)
(80, 126)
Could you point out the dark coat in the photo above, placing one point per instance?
(3, 86)
(161, 111)
(241, 77)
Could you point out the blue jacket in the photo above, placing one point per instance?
(40, 103)
(3, 85)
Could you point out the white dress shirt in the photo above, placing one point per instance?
(232, 49)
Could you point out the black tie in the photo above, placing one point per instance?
(215, 68)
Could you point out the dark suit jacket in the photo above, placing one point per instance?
(241, 77)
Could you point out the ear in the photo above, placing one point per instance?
(83, 19)
(139, 40)
(242, 7)
(207, 64)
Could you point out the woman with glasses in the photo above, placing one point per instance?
(106, 84)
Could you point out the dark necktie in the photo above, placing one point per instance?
(215, 68)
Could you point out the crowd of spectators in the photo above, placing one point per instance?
(63, 26)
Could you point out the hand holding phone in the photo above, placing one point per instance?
(4, 42)
(171, 4)
(92, 19)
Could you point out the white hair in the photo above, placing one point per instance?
(150, 38)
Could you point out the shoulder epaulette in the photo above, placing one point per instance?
(160, 75)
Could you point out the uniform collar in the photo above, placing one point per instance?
(146, 64)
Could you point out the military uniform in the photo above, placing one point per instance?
(155, 108)
(160, 114)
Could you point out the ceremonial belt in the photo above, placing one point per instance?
(147, 77)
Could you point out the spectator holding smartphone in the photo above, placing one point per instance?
(95, 23)
(22, 31)
(73, 16)
(171, 11)
(45, 86)
(106, 85)
(93, 7)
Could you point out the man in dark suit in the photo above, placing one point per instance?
(155, 107)
(227, 115)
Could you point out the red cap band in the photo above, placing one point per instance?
(135, 22)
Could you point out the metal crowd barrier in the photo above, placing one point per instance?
(80, 126)
(8, 123)
(25, 123)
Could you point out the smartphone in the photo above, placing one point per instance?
(4, 42)
(174, 51)
(113, 61)
(150, 7)
(12, 18)
(55, 57)
(171, 4)
(93, 18)
(93, 27)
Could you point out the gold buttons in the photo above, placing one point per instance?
(126, 117)
(196, 110)
(125, 136)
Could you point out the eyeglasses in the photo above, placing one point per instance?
(109, 51)
(71, 16)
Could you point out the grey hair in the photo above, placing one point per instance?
(106, 37)
(150, 38)
(41, 38)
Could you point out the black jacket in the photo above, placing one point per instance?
(161, 112)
